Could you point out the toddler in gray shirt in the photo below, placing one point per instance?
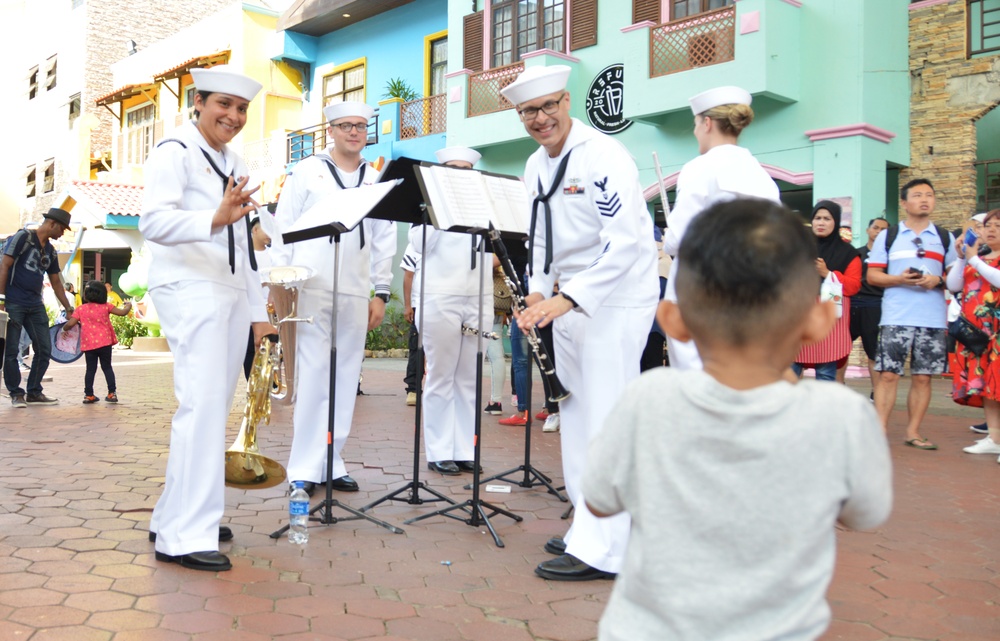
(734, 478)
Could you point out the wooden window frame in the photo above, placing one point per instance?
(75, 107)
(520, 43)
(30, 183)
(49, 176)
(50, 74)
(343, 70)
(703, 6)
(430, 66)
(139, 136)
(32, 83)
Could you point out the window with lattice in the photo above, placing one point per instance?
(686, 8)
(344, 86)
(523, 26)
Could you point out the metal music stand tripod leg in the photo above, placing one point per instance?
(414, 486)
(325, 507)
(475, 507)
(532, 476)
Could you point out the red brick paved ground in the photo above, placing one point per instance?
(77, 484)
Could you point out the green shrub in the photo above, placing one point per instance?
(393, 333)
(127, 328)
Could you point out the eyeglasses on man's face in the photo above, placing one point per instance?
(346, 127)
(549, 108)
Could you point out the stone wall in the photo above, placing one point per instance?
(948, 94)
(110, 23)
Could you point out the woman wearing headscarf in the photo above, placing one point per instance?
(203, 281)
(723, 171)
(839, 257)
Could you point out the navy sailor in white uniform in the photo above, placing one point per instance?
(591, 233)
(366, 255)
(203, 282)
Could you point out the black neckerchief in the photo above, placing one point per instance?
(543, 198)
(246, 219)
(340, 183)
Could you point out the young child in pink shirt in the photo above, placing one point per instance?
(97, 337)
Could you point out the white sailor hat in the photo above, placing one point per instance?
(979, 218)
(535, 82)
(719, 96)
(223, 79)
(347, 109)
(449, 154)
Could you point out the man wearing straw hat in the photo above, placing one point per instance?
(366, 254)
(591, 232)
(203, 281)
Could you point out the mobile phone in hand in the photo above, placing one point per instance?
(970, 238)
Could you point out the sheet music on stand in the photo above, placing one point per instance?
(339, 212)
(463, 199)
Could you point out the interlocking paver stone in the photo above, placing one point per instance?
(74, 516)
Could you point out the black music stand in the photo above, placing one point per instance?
(405, 204)
(475, 507)
(325, 507)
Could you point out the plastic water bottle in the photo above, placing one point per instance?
(298, 515)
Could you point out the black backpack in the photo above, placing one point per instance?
(893, 231)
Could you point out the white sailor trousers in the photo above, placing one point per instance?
(206, 327)
(596, 357)
(449, 399)
(307, 459)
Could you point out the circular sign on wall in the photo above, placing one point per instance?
(606, 100)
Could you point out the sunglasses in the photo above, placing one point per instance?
(921, 252)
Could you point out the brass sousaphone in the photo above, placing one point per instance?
(270, 377)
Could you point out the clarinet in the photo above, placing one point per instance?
(542, 358)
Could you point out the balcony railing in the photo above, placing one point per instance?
(265, 155)
(702, 40)
(485, 86)
(423, 117)
(303, 143)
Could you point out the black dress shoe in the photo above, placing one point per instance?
(468, 466)
(308, 486)
(225, 534)
(448, 468)
(556, 546)
(569, 568)
(345, 484)
(207, 561)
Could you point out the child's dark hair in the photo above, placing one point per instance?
(746, 271)
(95, 292)
(905, 191)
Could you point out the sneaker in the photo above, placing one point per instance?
(551, 423)
(542, 416)
(40, 399)
(983, 446)
(17, 400)
(519, 419)
(979, 428)
(494, 409)
(112, 397)
(411, 398)
(87, 400)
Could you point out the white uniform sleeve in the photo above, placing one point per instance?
(410, 259)
(620, 234)
(693, 196)
(255, 294)
(290, 204)
(164, 219)
(383, 250)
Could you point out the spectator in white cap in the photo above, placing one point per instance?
(591, 232)
(451, 299)
(366, 254)
(204, 285)
(722, 172)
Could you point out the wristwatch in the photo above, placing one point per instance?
(384, 297)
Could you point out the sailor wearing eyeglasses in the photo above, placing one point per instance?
(591, 232)
(366, 255)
